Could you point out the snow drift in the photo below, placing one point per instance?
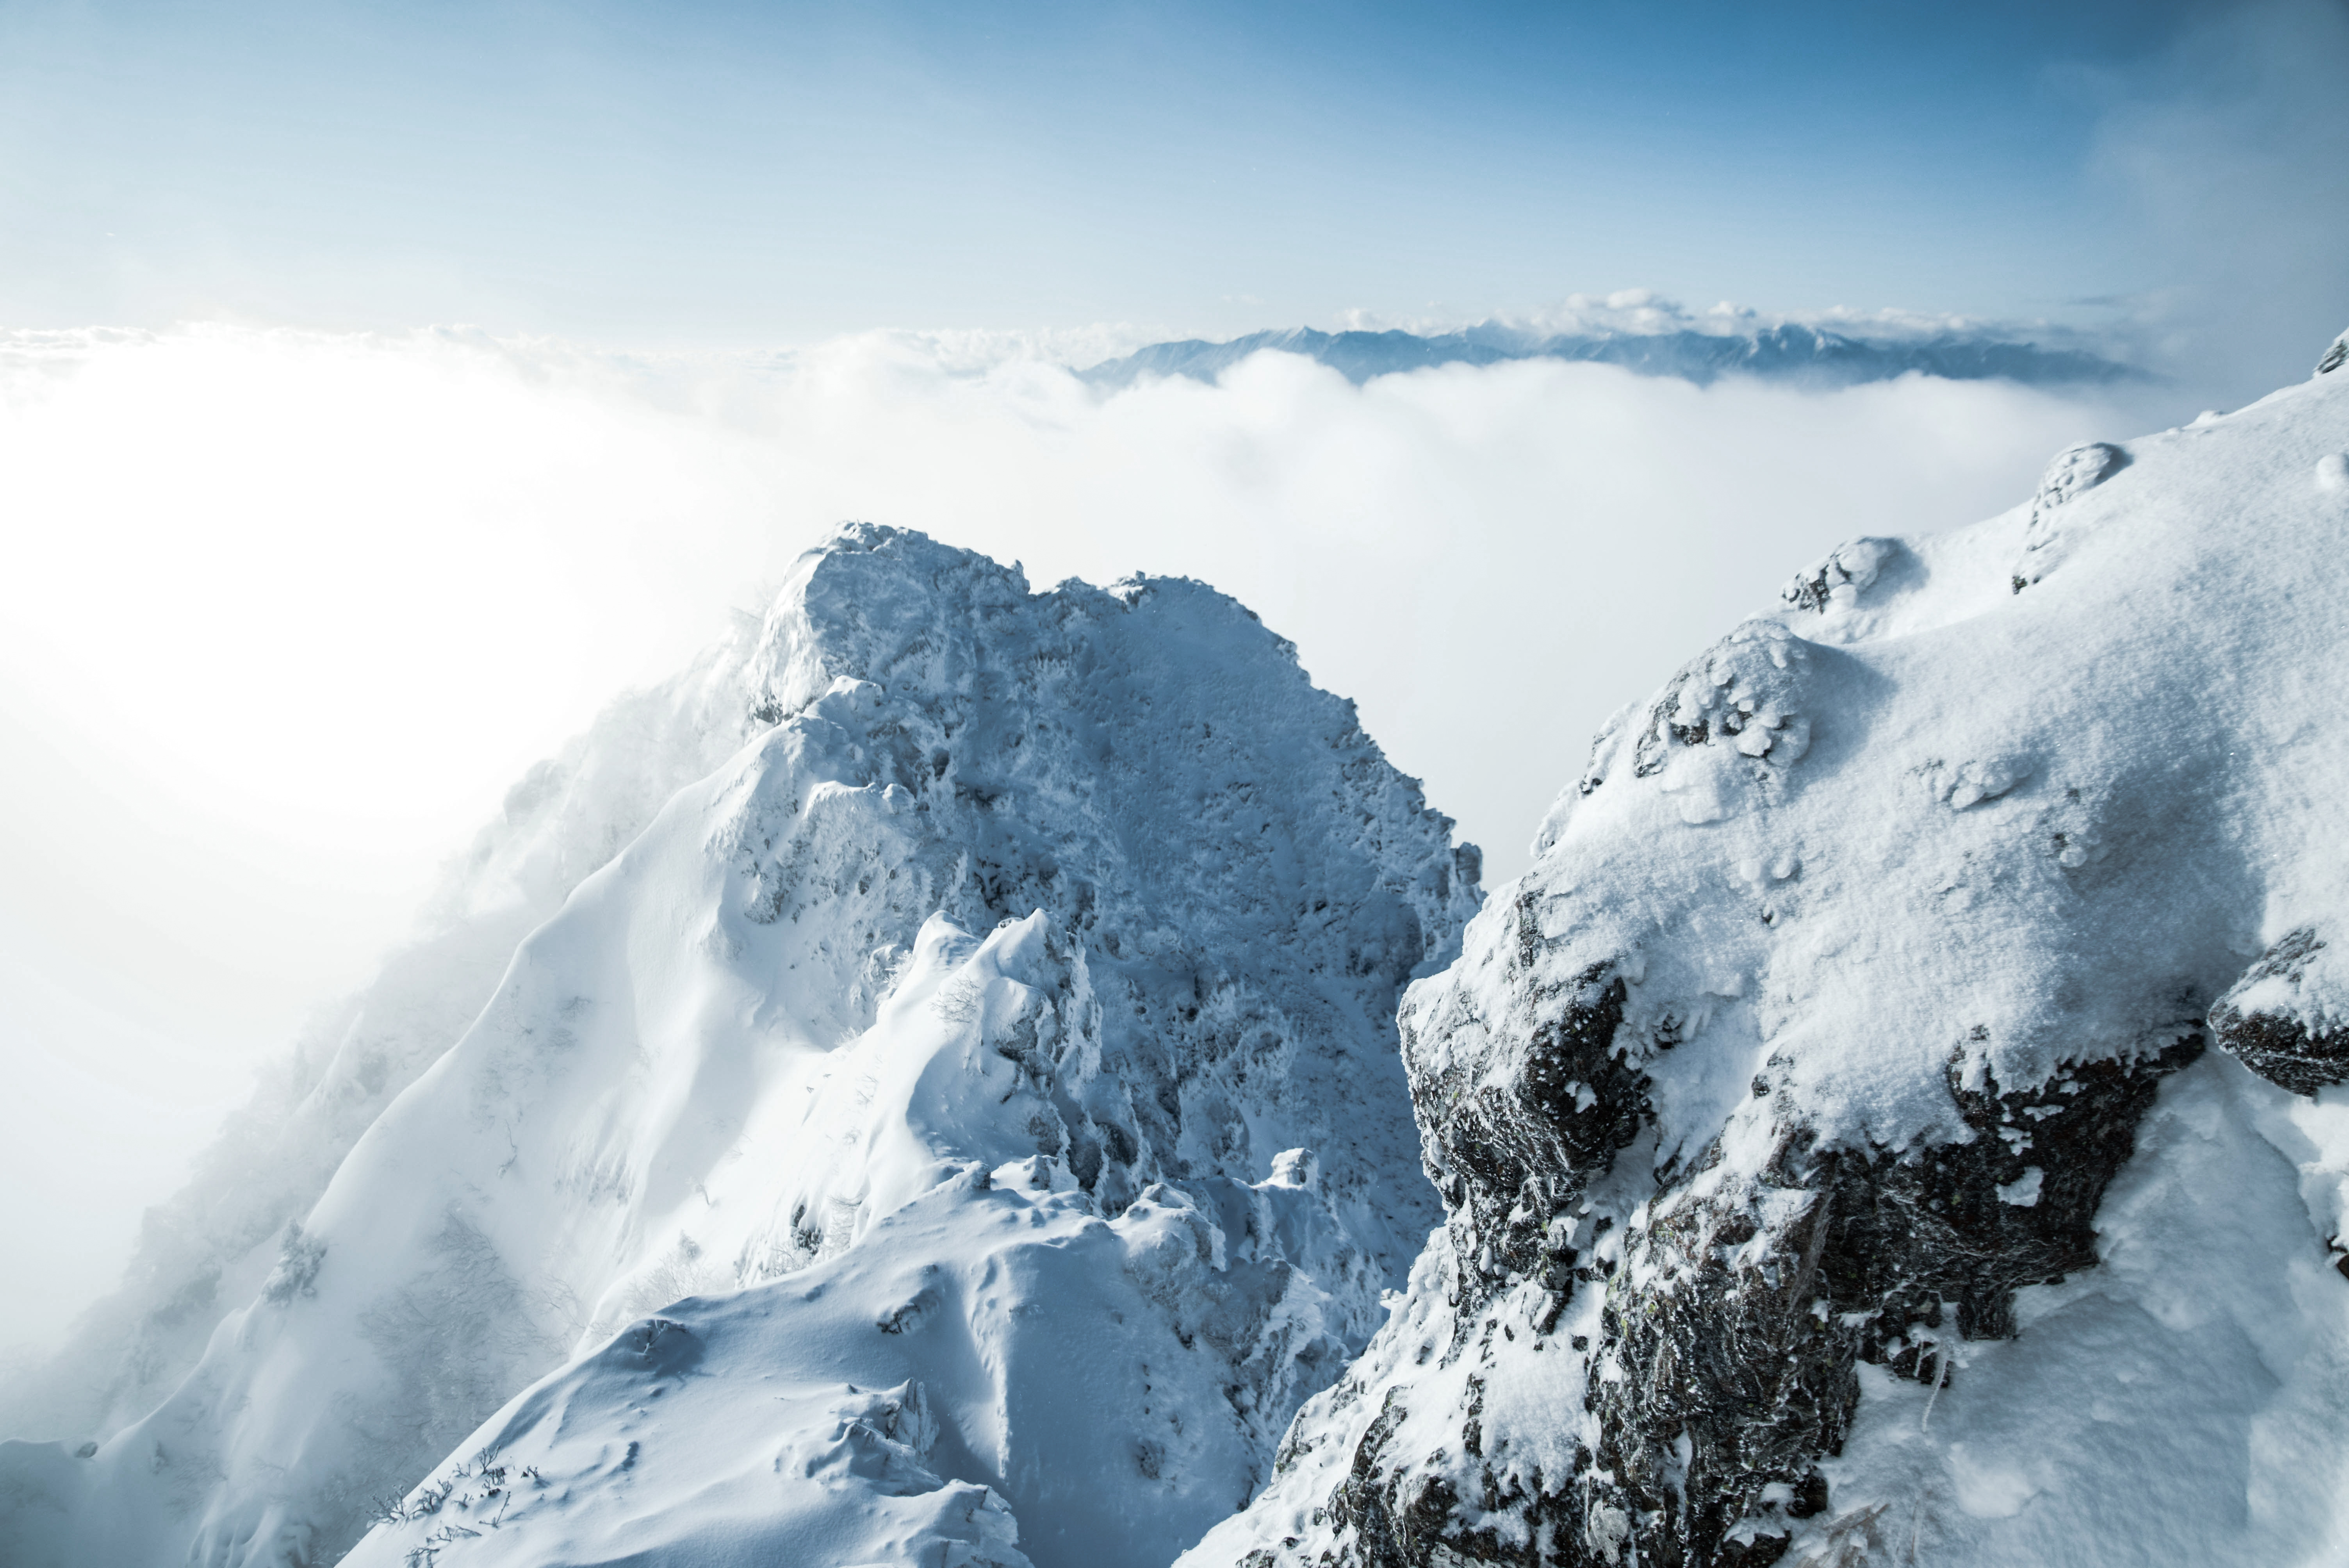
(1012, 1011)
(1898, 1119)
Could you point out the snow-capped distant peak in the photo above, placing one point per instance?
(1649, 342)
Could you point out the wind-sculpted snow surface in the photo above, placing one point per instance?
(1013, 1013)
(1838, 1167)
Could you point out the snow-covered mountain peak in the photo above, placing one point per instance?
(1089, 888)
(1837, 1170)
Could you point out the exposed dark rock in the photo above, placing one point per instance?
(2336, 357)
(1728, 1198)
(1727, 1362)
(1739, 1355)
(1511, 1161)
(2264, 1020)
(1397, 1518)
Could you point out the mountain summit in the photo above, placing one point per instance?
(1899, 1117)
(1010, 1019)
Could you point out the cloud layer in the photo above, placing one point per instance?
(286, 612)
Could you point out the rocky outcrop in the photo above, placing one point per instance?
(1724, 1384)
(1834, 1165)
(1734, 1316)
(2076, 470)
(2284, 1019)
(1851, 570)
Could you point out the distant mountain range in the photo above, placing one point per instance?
(1787, 352)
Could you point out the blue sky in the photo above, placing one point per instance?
(711, 173)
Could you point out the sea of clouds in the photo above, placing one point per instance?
(283, 612)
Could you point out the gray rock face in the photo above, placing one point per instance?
(1735, 1317)
(2271, 1020)
(1738, 1379)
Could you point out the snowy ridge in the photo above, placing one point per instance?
(1023, 923)
(1837, 1167)
(1786, 351)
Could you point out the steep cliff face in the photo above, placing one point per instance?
(1836, 1161)
(1025, 931)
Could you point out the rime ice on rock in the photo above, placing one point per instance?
(1840, 579)
(2074, 470)
(2336, 357)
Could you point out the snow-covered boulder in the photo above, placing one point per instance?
(1013, 1014)
(2288, 1017)
(1837, 1167)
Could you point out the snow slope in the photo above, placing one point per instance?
(1899, 1117)
(1027, 935)
(995, 1372)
